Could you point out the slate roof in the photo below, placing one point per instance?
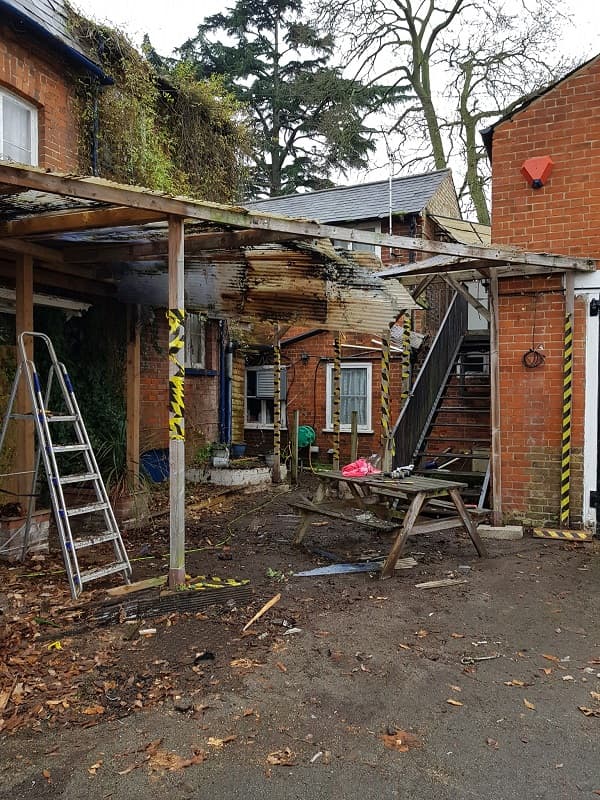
(410, 194)
(49, 19)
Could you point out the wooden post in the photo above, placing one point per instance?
(337, 380)
(25, 456)
(386, 416)
(496, 454)
(176, 317)
(133, 393)
(294, 442)
(276, 406)
(354, 436)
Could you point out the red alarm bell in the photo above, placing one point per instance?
(536, 171)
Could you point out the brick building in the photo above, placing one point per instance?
(420, 207)
(561, 216)
(40, 64)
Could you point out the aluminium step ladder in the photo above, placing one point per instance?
(86, 472)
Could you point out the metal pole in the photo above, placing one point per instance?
(176, 317)
(354, 436)
(565, 456)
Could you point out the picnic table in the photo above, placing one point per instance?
(395, 505)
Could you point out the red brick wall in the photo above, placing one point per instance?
(562, 217)
(201, 392)
(306, 392)
(41, 77)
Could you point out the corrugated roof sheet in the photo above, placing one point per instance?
(50, 15)
(410, 194)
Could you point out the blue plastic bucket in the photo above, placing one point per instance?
(237, 449)
(155, 463)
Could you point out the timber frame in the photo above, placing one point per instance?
(50, 248)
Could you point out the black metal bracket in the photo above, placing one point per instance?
(593, 499)
(594, 307)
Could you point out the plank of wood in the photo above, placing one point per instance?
(440, 584)
(138, 586)
(67, 221)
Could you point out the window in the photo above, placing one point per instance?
(18, 130)
(195, 341)
(259, 397)
(355, 395)
(375, 227)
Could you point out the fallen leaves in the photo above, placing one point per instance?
(550, 658)
(213, 741)
(492, 743)
(401, 741)
(95, 767)
(595, 695)
(244, 663)
(457, 635)
(589, 712)
(514, 682)
(281, 666)
(421, 634)
(91, 710)
(528, 704)
(166, 761)
(282, 758)
(452, 702)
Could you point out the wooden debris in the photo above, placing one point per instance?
(440, 584)
(264, 609)
(138, 586)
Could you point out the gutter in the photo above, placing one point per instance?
(67, 50)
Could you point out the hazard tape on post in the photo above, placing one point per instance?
(565, 470)
(566, 536)
(176, 317)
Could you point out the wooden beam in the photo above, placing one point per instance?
(57, 280)
(195, 243)
(25, 455)
(137, 197)
(176, 403)
(69, 221)
(276, 471)
(36, 251)
(496, 454)
(421, 286)
(133, 393)
(464, 292)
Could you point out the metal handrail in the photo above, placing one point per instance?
(415, 417)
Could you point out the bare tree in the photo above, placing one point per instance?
(466, 62)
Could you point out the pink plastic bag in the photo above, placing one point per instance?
(358, 469)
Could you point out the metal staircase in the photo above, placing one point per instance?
(445, 424)
(72, 462)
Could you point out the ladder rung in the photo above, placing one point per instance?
(79, 478)
(70, 448)
(61, 418)
(74, 512)
(100, 572)
(99, 538)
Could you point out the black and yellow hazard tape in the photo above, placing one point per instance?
(337, 398)
(563, 535)
(277, 398)
(202, 582)
(385, 389)
(565, 472)
(175, 318)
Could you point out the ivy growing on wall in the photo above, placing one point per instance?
(157, 126)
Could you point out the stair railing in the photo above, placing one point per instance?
(415, 417)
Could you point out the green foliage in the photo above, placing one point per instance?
(158, 126)
(308, 119)
(92, 349)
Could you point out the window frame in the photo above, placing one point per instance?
(374, 226)
(346, 427)
(261, 424)
(196, 366)
(33, 125)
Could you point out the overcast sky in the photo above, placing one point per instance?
(170, 24)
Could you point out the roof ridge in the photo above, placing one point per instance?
(398, 179)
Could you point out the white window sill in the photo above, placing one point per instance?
(345, 429)
(260, 426)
